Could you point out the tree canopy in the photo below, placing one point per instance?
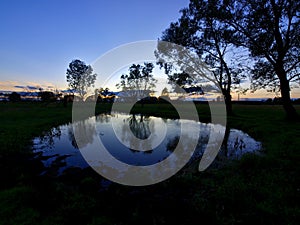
(80, 77)
(139, 81)
(270, 29)
(267, 30)
(198, 30)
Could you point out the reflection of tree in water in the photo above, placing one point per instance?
(144, 152)
(140, 127)
(103, 118)
(239, 144)
(183, 145)
(202, 143)
(188, 142)
(72, 137)
(172, 144)
(86, 130)
(49, 136)
(231, 146)
(224, 148)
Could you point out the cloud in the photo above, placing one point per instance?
(18, 86)
(68, 91)
(27, 85)
(32, 87)
(206, 94)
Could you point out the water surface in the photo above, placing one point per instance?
(58, 148)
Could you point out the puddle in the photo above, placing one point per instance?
(58, 149)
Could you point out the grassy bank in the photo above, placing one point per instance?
(20, 122)
(255, 190)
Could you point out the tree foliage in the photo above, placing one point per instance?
(80, 77)
(164, 92)
(179, 80)
(270, 29)
(139, 81)
(14, 97)
(47, 96)
(198, 30)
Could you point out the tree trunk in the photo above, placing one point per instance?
(228, 102)
(290, 111)
(225, 141)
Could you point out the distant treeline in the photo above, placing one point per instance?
(48, 96)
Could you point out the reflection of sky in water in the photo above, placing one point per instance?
(60, 141)
(130, 155)
(54, 145)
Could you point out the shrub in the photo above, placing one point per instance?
(14, 97)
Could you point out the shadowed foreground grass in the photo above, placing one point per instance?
(255, 190)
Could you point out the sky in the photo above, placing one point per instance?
(39, 38)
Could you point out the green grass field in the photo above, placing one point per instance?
(254, 190)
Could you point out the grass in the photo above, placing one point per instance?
(254, 190)
(22, 121)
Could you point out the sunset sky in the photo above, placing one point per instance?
(39, 38)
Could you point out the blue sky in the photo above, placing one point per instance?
(39, 38)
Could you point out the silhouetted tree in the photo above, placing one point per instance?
(200, 32)
(139, 81)
(47, 96)
(270, 29)
(165, 92)
(80, 77)
(14, 97)
(67, 99)
(104, 95)
(179, 80)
